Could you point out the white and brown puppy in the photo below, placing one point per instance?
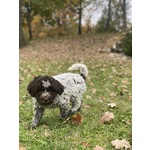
(58, 91)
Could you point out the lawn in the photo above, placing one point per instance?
(109, 81)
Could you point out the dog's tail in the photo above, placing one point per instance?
(83, 69)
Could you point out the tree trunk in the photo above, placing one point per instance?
(124, 16)
(29, 20)
(80, 21)
(80, 18)
(109, 16)
(21, 36)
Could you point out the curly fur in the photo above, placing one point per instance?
(58, 91)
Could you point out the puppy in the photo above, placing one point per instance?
(58, 91)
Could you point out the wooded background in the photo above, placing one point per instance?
(40, 19)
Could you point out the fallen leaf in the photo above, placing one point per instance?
(121, 144)
(108, 116)
(76, 119)
(125, 81)
(46, 133)
(87, 106)
(114, 84)
(93, 90)
(124, 90)
(112, 105)
(20, 80)
(103, 69)
(20, 102)
(102, 98)
(85, 144)
(21, 147)
(112, 94)
(130, 98)
(128, 122)
(110, 77)
(124, 86)
(98, 148)
(88, 96)
(91, 84)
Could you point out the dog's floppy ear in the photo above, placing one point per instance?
(57, 86)
(34, 85)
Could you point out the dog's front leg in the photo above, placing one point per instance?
(64, 110)
(38, 113)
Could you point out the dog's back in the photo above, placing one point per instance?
(73, 83)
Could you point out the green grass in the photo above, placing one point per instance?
(51, 133)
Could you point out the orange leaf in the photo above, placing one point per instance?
(76, 119)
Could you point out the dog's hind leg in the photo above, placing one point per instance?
(76, 104)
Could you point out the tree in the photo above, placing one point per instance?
(28, 17)
(109, 16)
(77, 7)
(114, 16)
(21, 36)
(124, 15)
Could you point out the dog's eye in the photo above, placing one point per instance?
(50, 88)
(41, 88)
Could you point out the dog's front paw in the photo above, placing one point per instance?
(31, 127)
(71, 112)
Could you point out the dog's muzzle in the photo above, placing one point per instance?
(45, 96)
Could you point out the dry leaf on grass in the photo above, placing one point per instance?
(124, 90)
(86, 144)
(76, 119)
(130, 98)
(121, 144)
(114, 84)
(98, 148)
(125, 81)
(112, 94)
(102, 98)
(108, 116)
(87, 106)
(20, 102)
(91, 83)
(93, 90)
(21, 147)
(112, 105)
(88, 96)
(124, 86)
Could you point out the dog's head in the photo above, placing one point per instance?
(45, 89)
